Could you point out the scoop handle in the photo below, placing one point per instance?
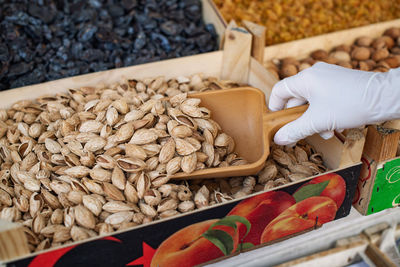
(273, 121)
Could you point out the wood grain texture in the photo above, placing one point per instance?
(381, 143)
(262, 79)
(13, 242)
(236, 58)
(341, 150)
(232, 24)
(258, 43)
(378, 257)
(365, 185)
(353, 147)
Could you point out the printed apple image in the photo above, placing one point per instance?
(260, 210)
(306, 214)
(335, 189)
(197, 243)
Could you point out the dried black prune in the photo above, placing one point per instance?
(140, 41)
(19, 69)
(115, 11)
(170, 28)
(86, 33)
(42, 40)
(4, 54)
(44, 13)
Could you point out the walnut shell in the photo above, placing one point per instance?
(364, 41)
(331, 60)
(380, 54)
(362, 65)
(304, 66)
(392, 61)
(289, 61)
(287, 71)
(383, 63)
(345, 64)
(360, 53)
(395, 50)
(388, 40)
(393, 32)
(319, 54)
(379, 43)
(345, 48)
(309, 60)
(340, 55)
(380, 69)
(371, 63)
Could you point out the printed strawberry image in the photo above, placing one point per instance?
(335, 189)
(260, 210)
(199, 243)
(306, 214)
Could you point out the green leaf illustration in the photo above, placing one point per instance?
(310, 190)
(231, 221)
(221, 239)
(224, 222)
(244, 246)
(242, 220)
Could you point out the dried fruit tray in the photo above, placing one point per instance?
(302, 48)
(211, 233)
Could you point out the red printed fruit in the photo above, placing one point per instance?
(259, 211)
(310, 212)
(188, 247)
(336, 188)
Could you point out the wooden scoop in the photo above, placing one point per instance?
(242, 114)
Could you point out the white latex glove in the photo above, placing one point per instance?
(339, 98)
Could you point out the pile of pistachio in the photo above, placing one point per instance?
(92, 161)
(284, 165)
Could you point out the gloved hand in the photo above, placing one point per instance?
(339, 98)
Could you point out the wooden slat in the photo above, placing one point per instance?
(232, 24)
(13, 242)
(212, 15)
(258, 32)
(236, 58)
(262, 79)
(353, 147)
(331, 149)
(378, 257)
(381, 143)
(365, 185)
(374, 233)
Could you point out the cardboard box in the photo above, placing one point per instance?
(138, 245)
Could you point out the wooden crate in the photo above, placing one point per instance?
(212, 15)
(300, 49)
(129, 243)
(379, 183)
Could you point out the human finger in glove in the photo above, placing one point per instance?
(339, 98)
